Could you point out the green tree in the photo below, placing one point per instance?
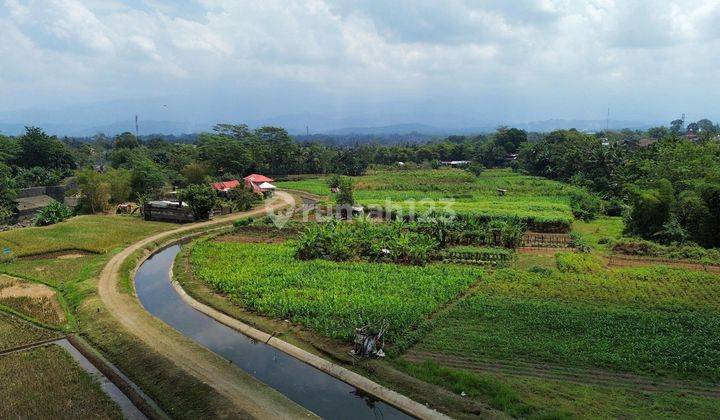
(126, 140)
(201, 199)
(94, 191)
(39, 149)
(195, 173)
(147, 178)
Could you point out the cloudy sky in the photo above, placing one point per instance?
(443, 62)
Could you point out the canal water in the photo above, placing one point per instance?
(313, 389)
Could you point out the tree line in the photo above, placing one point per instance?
(669, 191)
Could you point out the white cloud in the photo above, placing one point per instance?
(586, 52)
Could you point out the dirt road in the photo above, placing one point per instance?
(246, 392)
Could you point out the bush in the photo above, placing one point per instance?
(387, 242)
(247, 221)
(579, 243)
(243, 198)
(54, 212)
(571, 262)
(475, 168)
(584, 205)
(201, 199)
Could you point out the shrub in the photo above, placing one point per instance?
(201, 199)
(247, 221)
(579, 243)
(54, 212)
(475, 168)
(243, 198)
(584, 205)
(570, 262)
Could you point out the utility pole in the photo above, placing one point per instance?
(307, 130)
(137, 130)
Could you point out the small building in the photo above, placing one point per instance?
(455, 163)
(260, 184)
(224, 186)
(168, 211)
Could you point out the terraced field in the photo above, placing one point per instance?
(540, 202)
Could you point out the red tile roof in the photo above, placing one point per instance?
(226, 185)
(258, 178)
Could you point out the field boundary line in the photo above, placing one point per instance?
(140, 400)
(30, 346)
(394, 398)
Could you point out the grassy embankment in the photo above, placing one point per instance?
(68, 257)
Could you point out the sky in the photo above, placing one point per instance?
(448, 62)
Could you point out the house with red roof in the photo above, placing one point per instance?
(225, 186)
(260, 184)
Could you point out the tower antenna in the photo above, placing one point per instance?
(137, 130)
(607, 121)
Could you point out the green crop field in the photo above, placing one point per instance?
(94, 234)
(649, 320)
(536, 200)
(47, 383)
(331, 298)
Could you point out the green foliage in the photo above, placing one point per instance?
(94, 191)
(7, 194)
(55, 212)
(246, 221)
(331, 298)
(579, 243)
(147, 178)
(475, 168)
(201, 199)
(677, 343)
(37, 149)
(344, 196)
(541, 204)
(571, 262)
(687, 251)
(243, 198)
(584, 205)
(384, 242)
(195, 173)
(473, 385)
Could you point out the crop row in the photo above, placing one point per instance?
(329, 297)
(677, 343)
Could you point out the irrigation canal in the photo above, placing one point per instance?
(313, 389)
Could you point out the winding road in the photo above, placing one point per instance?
(246, 392)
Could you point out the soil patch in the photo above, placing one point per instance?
(36, 300)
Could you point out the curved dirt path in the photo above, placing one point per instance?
(246, 392)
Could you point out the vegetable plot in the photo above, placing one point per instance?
(329, 297)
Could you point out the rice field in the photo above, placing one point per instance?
(533, 199)
(94, 234)
(331, 298)
(15, 332)
(46, 383)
